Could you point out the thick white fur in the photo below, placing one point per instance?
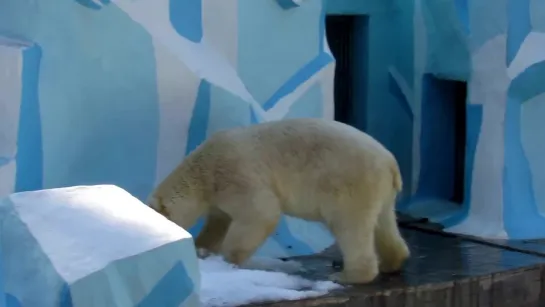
(244, 179)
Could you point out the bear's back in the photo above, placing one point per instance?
(304, 161)
(305, 138)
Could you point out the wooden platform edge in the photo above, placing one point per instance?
(523, 287)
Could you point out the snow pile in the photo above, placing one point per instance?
(223, 284)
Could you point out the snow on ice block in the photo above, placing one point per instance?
(94, 246)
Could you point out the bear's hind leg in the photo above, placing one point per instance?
(391, 247)
(214, 231)
(253, 220)
(354, 232)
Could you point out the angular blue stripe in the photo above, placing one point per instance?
(186, 18)
(199, 120)
(463, 13)
(300, 77)
(65, 299)
(92, 5)
(12, 301)
(253, 117)
(395, 90)
(518, 190)
(196, 229)
(287, 4)
(29, 139)
(518, 26)
(5, 161)
(529, 83)
(172, 290)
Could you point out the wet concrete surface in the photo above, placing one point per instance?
(465, 273)
(434, 258)
(534, 247)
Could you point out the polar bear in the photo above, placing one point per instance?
(245, 178)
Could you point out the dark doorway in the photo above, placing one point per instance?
(347, 38)
(460, 139)
(443, 139)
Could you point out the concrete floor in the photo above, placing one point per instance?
(444, 270)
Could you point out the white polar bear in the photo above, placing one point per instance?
(244, 179)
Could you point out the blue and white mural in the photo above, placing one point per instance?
(497, 47)
(118, 92)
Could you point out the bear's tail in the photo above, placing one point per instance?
(396, 174)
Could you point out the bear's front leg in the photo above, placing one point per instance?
(214, 231)
(356, 242)
(244, 238)
(254, 216)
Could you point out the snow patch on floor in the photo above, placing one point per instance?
(225, 285)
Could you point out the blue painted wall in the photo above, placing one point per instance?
(416, 49)
(351, 7)
(120, 91)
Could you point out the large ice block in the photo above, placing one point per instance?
(94, 246)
